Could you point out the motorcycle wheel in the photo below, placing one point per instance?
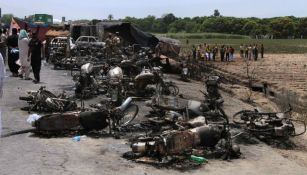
(129, 115)
(173, 89)
(28, 98)
(167, 89)
(56, 106)
(94, 120)
(237, 117)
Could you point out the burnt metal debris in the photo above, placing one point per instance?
(99, 119)
(178, 128)
(209, 140)
(140, 76)
(43, 100)
(268, 125)
(176, 131)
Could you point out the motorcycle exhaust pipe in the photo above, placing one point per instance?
(125, 104)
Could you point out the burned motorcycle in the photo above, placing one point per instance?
(192, 108)
(185, 72)
(212, 87)
(208, 140)
(268, 124)
(114, 117)
(210, 107)
(164, 87)
(140, 85)
(45, 101)
(87, 84)
(56, 56)
(115, 77)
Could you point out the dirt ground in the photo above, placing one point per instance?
(281, 71)
(275, 68)
(29, 154)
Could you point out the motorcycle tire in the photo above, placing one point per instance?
(129, 114)
(237, 117)
(56, 106)
(173, 89)
(167, 89)
(94, 120)
(28, 98)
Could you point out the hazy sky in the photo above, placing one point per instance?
(99, 9)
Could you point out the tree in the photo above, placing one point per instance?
(110, 17)
(191, 27)
(213, 24)
(279, 27)
(6, 18)
(177, 26)
(158, 26)
(130, 19)
(168, 18)
(216, 13)
(283, 27)
(251, 70)
(302, 27)
(250, 27)
(146, 24)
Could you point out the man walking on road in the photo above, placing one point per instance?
(13, 53)
(35, 51)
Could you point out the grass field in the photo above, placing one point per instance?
(271, 46)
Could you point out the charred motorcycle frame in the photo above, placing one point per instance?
(45, 101)
(268, 124)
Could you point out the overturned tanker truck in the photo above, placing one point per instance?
(134, 36)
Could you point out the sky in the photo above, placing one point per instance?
(100, 9)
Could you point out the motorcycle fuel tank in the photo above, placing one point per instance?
(144, 75)
(116, 73)
(87, 68)
(194, 106)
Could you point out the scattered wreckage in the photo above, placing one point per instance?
(268, 125)
(88, 49)
(209, 140)
(43, 100)
(89, 82)
(179, 128)
(99, 119)
(100, 79)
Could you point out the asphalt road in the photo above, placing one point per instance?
(27, 154)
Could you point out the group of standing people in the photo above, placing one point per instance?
(24, 53)
(251, 51)
(205, 52)
(210, 53)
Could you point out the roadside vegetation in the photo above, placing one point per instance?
(289, 46)
(283, 27)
